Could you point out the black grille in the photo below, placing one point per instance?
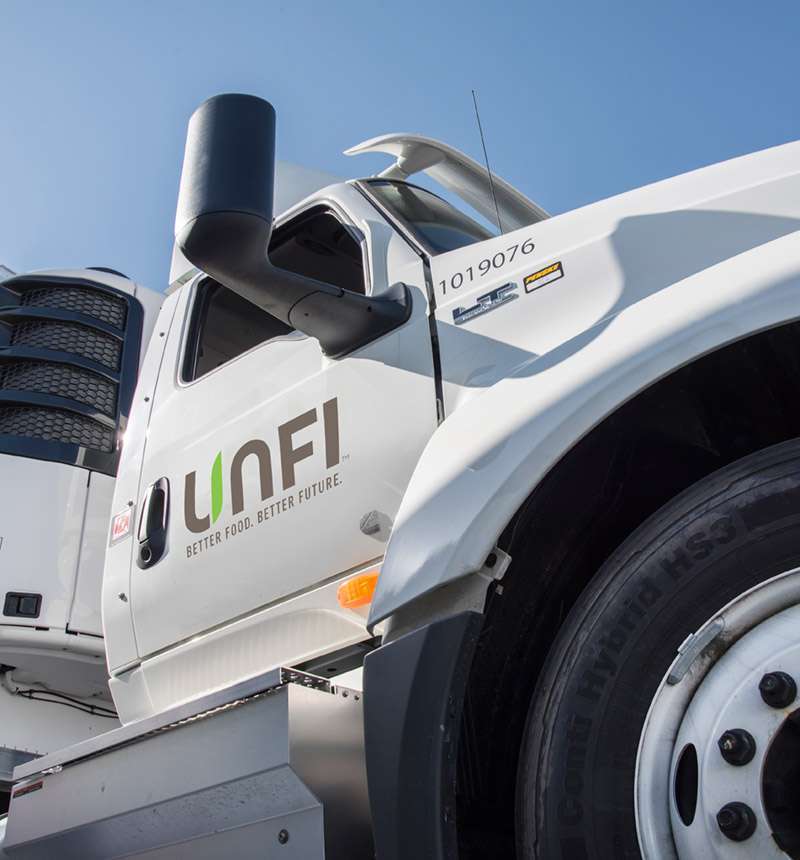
(55, 425)
(52, 407)
(63, 380)
(105, 308)
(69, 337)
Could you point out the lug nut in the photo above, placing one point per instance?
(737, 746)
(778, 689)
(736, 821)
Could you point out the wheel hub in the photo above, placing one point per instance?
(781, 786)
(732, 728)
(718, 767)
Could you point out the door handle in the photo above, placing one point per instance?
(153, 524)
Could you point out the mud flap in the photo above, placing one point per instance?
(413, 697)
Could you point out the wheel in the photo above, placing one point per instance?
(625, 752)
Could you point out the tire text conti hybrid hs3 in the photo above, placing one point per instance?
(724, 535)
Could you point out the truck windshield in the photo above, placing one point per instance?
(434, 222)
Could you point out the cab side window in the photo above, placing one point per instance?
(224, 325)
(319, 246)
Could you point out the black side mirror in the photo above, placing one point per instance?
(224, 221)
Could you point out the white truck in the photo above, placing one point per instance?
(70, 347)
(542, 481)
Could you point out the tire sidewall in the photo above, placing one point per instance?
(717, 540)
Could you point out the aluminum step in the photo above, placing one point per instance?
(272, 767)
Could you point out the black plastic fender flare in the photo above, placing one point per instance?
(414, 692)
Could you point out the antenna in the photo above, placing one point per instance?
(486, 159)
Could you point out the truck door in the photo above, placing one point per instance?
(270, 468)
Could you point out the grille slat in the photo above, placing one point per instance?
(62, 380)
(69, 337)
(55, 425)
(105, 308)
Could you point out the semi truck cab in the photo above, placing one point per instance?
(539, 475)
(252, 443)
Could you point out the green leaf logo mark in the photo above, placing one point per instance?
(216, 488)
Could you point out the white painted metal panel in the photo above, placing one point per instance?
(651, 279)
(117, 622)
(84, 615)
(41, 521)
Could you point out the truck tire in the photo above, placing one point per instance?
(726, 534)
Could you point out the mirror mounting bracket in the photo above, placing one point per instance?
(349, 321)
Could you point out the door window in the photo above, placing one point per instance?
(317, 245)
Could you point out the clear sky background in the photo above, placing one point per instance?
(579, 100)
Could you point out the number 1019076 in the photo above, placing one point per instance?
(497, 261)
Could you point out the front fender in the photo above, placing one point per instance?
(488, 456)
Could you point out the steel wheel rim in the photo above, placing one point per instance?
(661, 831)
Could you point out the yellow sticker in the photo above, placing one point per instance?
(544, 276)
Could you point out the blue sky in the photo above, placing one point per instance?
(579, 100)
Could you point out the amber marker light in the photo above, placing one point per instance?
(357, 591)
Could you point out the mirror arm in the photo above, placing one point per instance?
(229, 247)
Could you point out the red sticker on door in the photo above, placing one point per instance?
(121, 526)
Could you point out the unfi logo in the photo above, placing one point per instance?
(290, 456)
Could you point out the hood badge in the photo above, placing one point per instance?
(488, 302)
(544, 276)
